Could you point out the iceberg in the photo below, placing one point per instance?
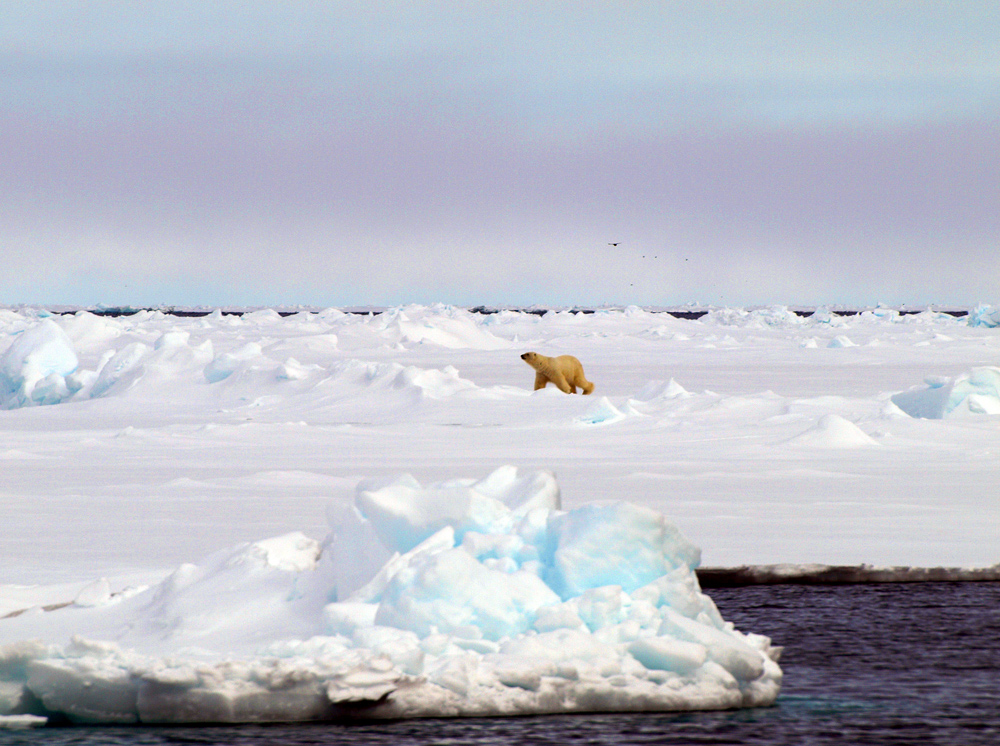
(468, 597)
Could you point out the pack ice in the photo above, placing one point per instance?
(459, 598)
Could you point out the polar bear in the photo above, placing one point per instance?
(564, 371)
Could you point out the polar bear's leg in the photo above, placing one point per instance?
(541, 381)
(560, 381)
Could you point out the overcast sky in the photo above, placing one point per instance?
(378, 153)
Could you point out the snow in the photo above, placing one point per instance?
(229, 518)
(833, 431)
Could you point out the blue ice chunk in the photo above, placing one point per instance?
(983, 315)
(33, 370)
(977, 391)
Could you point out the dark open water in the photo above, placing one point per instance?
(915, 663)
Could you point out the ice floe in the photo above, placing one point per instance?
(487, 598)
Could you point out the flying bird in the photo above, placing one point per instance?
(612, 244)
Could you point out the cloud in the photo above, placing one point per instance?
(355, 153)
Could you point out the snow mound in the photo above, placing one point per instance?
(658, 390)
(601, 412)
(462, 598)
(225, 364)
(975, 392)
(833, 431)
(445, 326)
(420, 383)
(87, 330)
(171, 358)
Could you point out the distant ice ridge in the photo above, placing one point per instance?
(761, 318)
(42, 364)
(465, 597)
(46, 359)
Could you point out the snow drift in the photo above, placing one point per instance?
(460, 598)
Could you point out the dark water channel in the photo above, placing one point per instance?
(894, 663)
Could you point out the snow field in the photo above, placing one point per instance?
(132, 447)
(212, 423)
